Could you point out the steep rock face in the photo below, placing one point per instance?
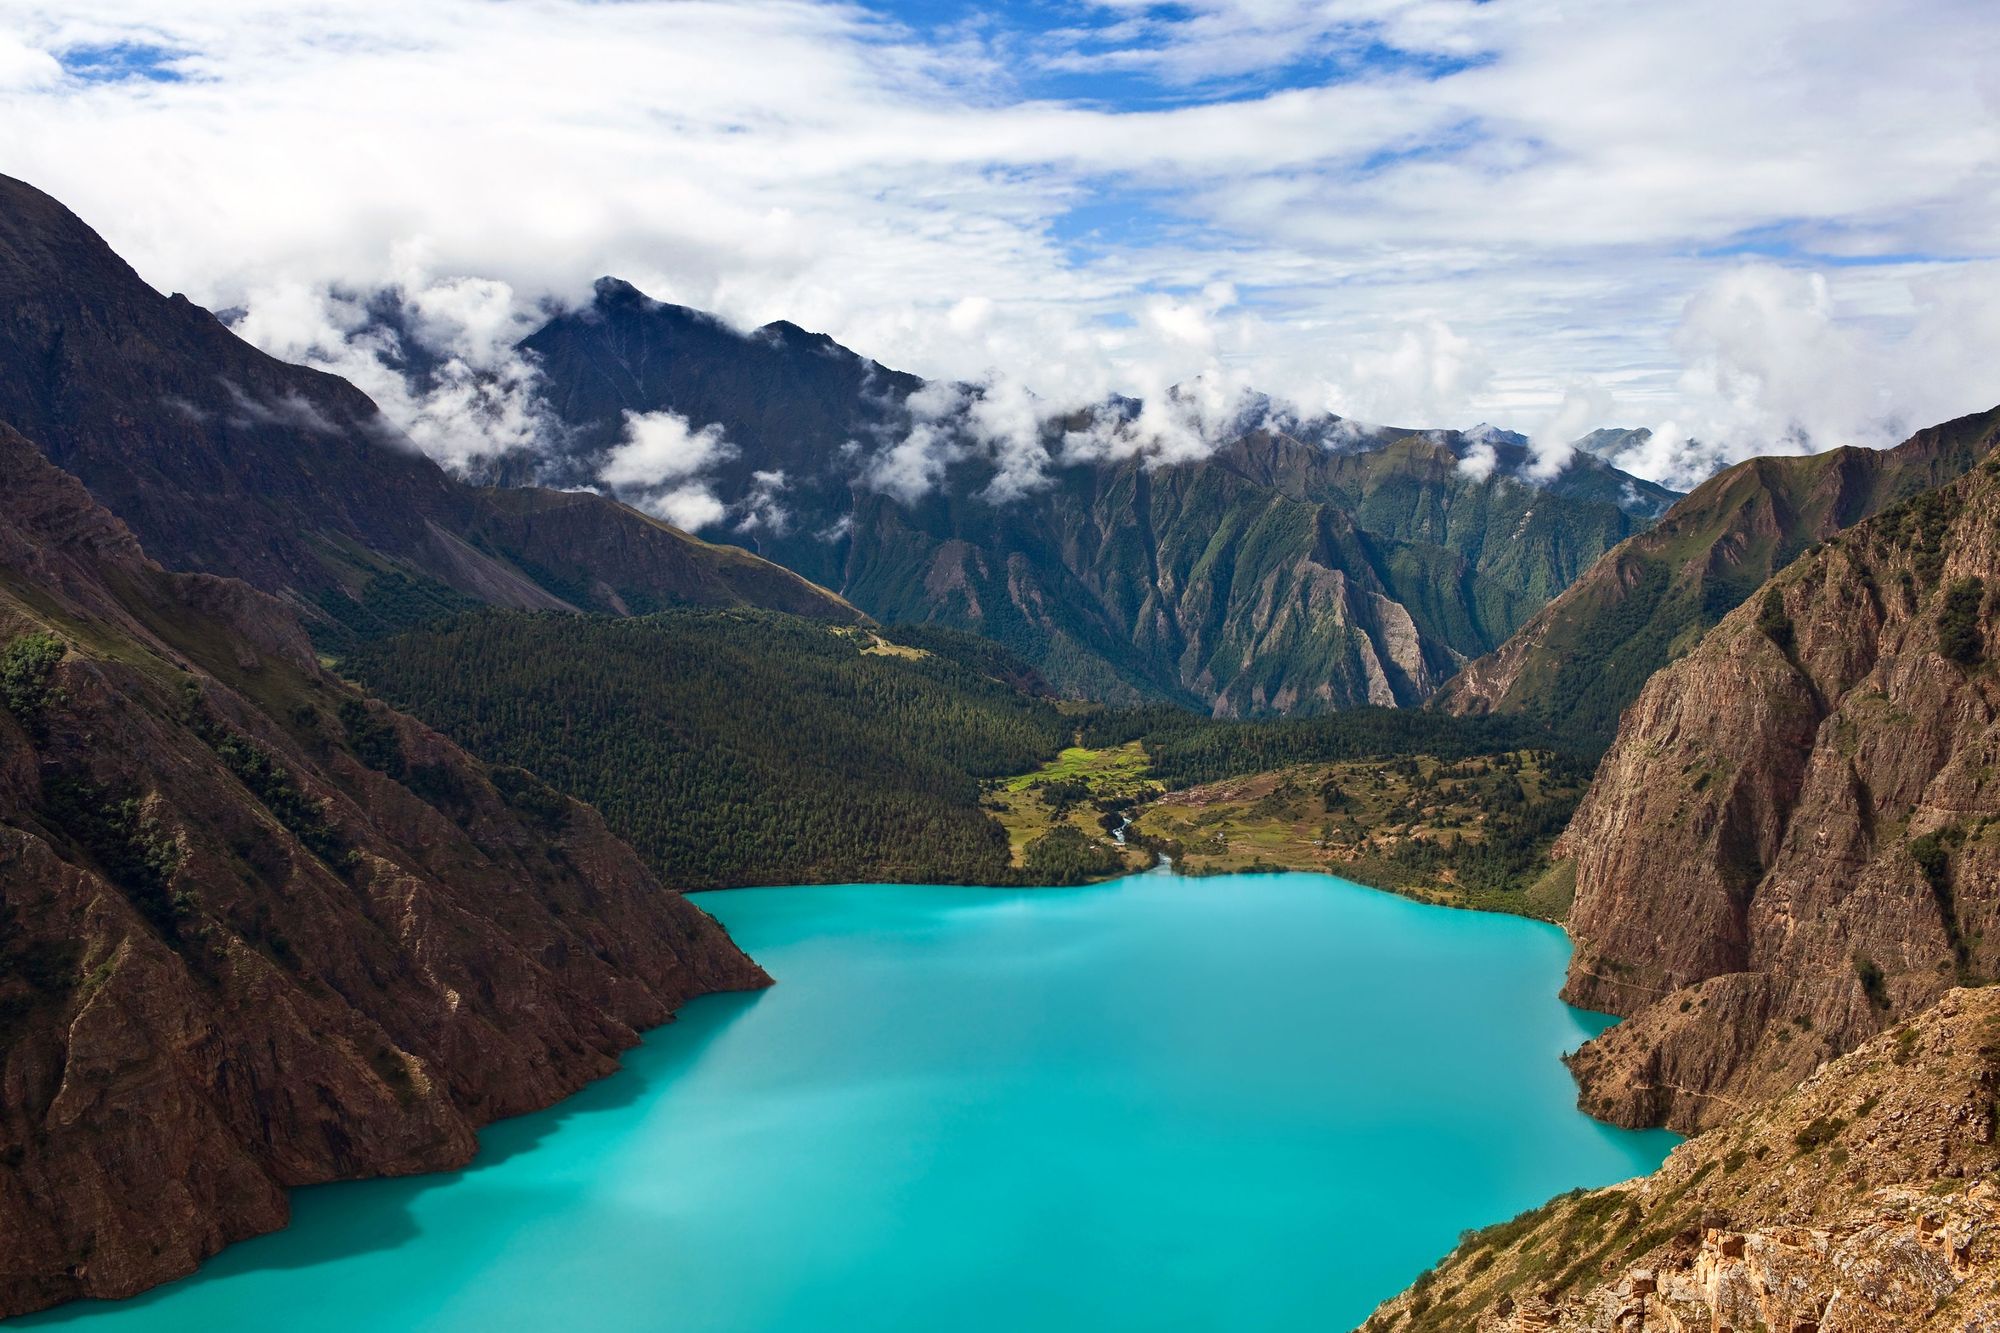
(1304, 565)
(228, 461)
(1579, 661)
(1791, 844)
(1862, 1202)
(256, 932)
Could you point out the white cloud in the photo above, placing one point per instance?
(481, 398)
(1479, 461)
(1775, 361)
(659, 447)
(690, 508)
(762, 509)
(658, 463)
(1428, 375)
(1009, 421)
(1583, 408)
(23, 66)
(912, 467)
(1527, 197)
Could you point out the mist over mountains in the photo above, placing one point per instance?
(1214, 546)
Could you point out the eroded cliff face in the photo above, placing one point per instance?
(1865, 1201)
(1791, 844)
(256, 932)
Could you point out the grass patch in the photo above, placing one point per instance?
(1055, 813)
(1470, 832)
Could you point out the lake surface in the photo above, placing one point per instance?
(1257, 1102)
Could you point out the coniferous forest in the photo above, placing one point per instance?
(736, 747)
(740, 747)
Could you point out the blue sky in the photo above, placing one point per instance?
(1080, 33)
(1746, 226)
(119, 62)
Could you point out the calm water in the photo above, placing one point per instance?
(1258, 1103)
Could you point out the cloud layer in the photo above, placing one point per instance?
(1747, 226)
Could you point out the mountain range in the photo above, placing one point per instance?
(1293, 565)
(259, 930)
(1581, 659)
(224, 460)
(1297, 565)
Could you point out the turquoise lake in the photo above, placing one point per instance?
(1258, 1102)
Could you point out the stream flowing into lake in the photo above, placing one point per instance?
(1253, 1102)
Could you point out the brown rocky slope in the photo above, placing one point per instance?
(1791, 845)
(256, 932)
(1865, 1201)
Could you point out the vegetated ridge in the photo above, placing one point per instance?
(736, 747)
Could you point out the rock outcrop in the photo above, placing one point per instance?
(1792, 844)
(258, 932)
(1865, 1201)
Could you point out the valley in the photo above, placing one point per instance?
(350, 804)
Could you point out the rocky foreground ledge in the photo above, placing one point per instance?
(1865, 1201)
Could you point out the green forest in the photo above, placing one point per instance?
(736, 747)
(740, 747)
(1186, 748)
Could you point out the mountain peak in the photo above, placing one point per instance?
(611, 290)
(787, 334)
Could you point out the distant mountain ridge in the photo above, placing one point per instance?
(226, 460)
(1302, 565)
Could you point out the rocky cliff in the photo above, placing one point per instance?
(1792, 843)
(228, 461)
(1865, 1201)
(1585, 655)
(258, 932)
